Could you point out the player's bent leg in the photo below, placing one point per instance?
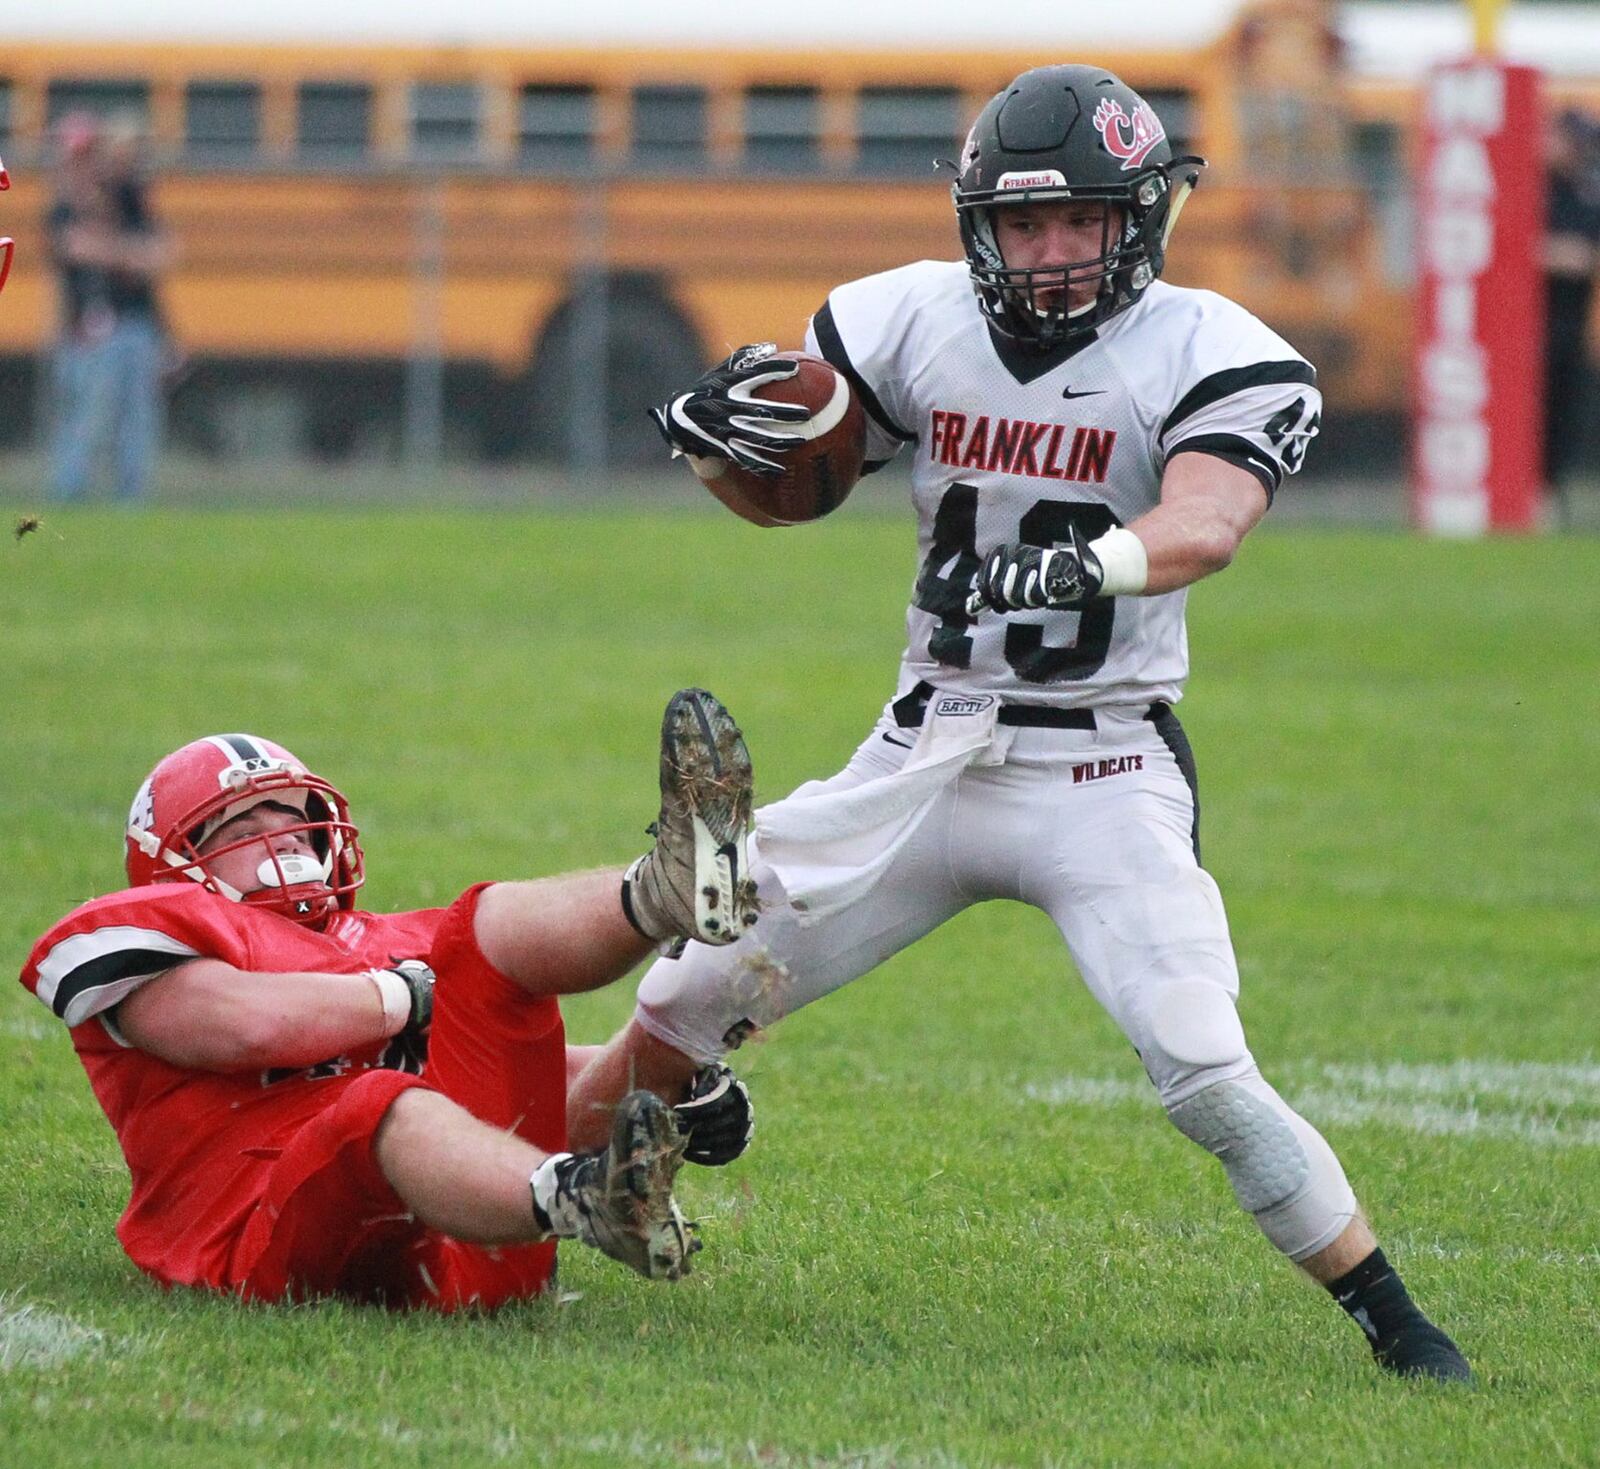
(694, 1009)
(561, 935)
(327, 1221)
(479, 1185)
(1148, 930)
(1284, 1174)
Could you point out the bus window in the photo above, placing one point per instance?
(103, 98)
(556, 127)
(5, 116)
(334, 121)
(669, 127)
(1383, 171)
(901, 130)
(781, 127)
(221, 120)
(445, 121)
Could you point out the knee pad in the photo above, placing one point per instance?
(1282, 1171)
(1195, 1023)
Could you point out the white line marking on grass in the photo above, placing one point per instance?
(1438, 1120)
(1543, 1104)
(1408, 1245)
(30, 1337)
(1093, 1091)
(29, 1030)
(757, 1455)
(509, 1444)
(1521, 1081)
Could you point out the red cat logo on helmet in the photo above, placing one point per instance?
(1128, 138)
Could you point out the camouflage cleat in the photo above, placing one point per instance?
(695, 884)
(620, 1200)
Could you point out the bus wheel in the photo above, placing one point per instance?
(631, 344)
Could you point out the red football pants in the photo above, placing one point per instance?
(329, 1223)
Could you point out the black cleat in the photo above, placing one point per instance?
(1423, 1350)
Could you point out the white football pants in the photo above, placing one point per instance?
(1098, 829)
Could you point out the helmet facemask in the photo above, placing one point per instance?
(1136, 224)
(307, 889)
(290, 882)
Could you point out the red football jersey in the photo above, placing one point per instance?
(194, 1140)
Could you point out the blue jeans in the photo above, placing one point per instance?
(108, 402)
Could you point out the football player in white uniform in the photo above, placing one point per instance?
(1088, 442)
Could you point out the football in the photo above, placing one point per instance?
(818, 474)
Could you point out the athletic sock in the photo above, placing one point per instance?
(1376, 1299)
(555, 1205)
(630, 901)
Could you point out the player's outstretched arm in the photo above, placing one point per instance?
(208, 1016)
(1207, 508)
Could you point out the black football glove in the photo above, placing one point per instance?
(720, 415)
(718, 1119)
(1016, 578)
(419, 980)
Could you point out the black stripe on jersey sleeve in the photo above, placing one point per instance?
(75, 995)
(1233, 380)
(832, 345)
(1238, 451)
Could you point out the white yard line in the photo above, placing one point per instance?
(31, 1030)
(1554, 1105)
(30, 1337)
(618, 1447)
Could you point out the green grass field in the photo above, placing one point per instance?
(966, 1235)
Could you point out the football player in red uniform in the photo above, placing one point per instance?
(303, 1112)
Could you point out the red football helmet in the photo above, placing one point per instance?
(193, 791)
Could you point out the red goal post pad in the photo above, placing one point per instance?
(1478, 385)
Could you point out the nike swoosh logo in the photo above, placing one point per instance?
(1089, 393)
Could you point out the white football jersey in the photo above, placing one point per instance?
(1016, 446)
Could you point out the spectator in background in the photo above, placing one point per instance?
(1572, 257)
(110, 256)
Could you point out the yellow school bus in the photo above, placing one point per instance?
(539, 241)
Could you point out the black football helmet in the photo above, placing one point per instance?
(1069, 132)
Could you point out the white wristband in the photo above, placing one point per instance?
(1124, 561)
(395, 996)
